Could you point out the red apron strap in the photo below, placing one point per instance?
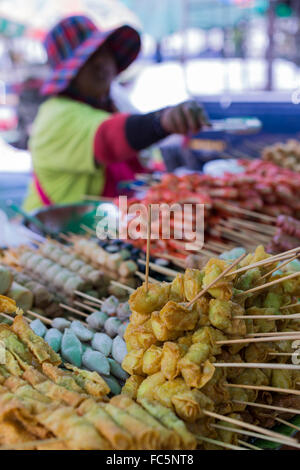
(43, 196)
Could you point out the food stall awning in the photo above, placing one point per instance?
(35, 17)
(11, 29)
(162, 18)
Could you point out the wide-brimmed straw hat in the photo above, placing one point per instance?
(75, 39)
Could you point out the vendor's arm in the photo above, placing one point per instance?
(120, 137)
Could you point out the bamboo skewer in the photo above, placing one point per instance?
(257, 226)
(259, 237)
(272, 283)
(260, 340)
(66, 238)
(273, 333)
(268, 407)
(148, 248)
(297, 304)
(87, 229)
(264, 388)
(206, 288)
(291, 425)
(280, 266)
(160, 269)
(208, 253)
(213, 247)
(219, 443)
(257, 365)
(280, 439)
(40, 317)
(266, 261)
(89, 303)
(177, 261)
(74, 310)
(87, 307)
(123, 286)
(6, 316)
(251, 427)
(143, 277)
(268, 317)
(250, 446)
(89, 297)
(295, 354)
(238, 209)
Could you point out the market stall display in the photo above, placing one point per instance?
(239, 209)
(45, 407)
(205, 344)
(286, 155)
(178, 374)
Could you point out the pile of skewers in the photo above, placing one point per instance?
(286, 155)
(234, 204)
(206, 358)
(214, 346)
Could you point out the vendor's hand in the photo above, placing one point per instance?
(184, 118)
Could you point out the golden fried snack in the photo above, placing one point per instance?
(77, 432)
(161, 332)
(89, 381)
(133, 362)
(165, 436)
(177, 289)
(14, 409)
(171, 354)
(35, 401)
(176, 317)
(192, 283)
(221, 315)
(147, 387)
(132, 385)
(152, 360)
(7, 305)
(37, 345)
(216, 389)
(146, 301)
(118, 437)
(137, 318)
(11, 364)
(145, 437)
(164, 392)
(12, 432)
(15, 346)
(51, 390)
(196, 375)
(229, 437)
(186, 341)
(61, 377)
(140, 336)
(209, 335)
(189, 404)
(282, 379)
(170, 420)
(222, 289)
(259, 352)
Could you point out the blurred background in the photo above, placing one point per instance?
(239, 57)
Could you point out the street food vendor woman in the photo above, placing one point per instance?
(80, 144)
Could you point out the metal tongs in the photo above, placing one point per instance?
(243, 125)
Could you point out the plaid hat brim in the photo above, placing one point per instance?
(124, 42)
